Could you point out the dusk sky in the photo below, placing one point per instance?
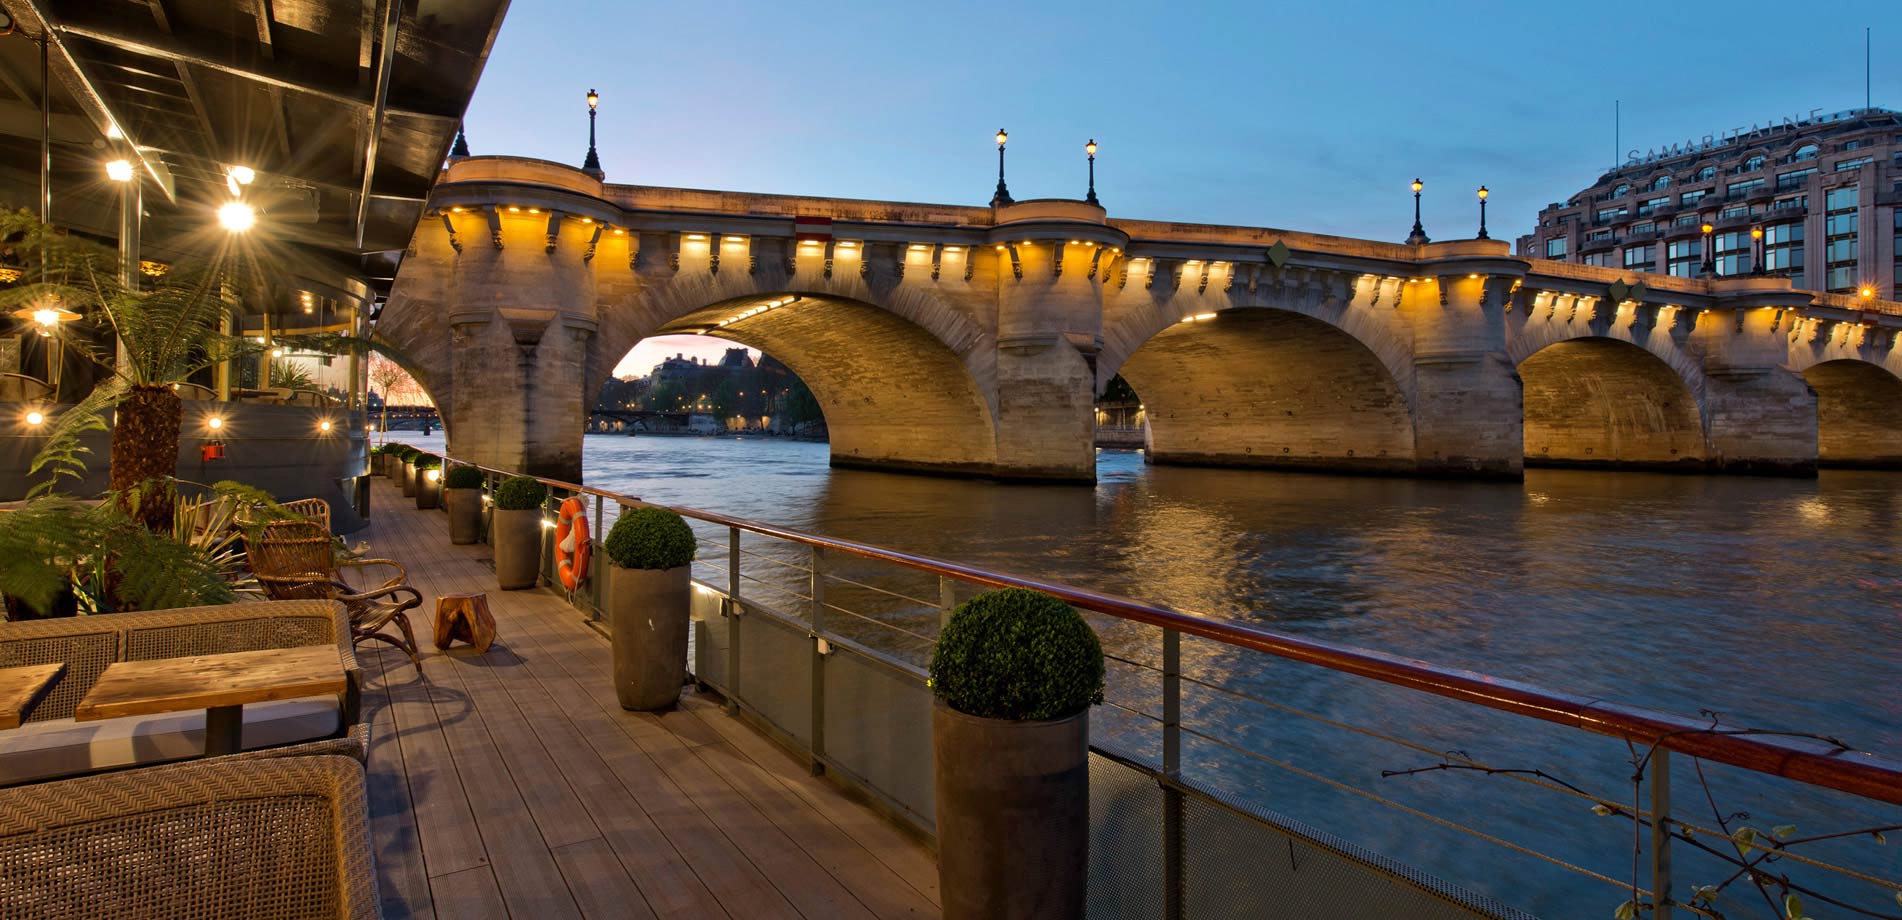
(1311, 117)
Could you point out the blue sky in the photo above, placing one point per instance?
(1311, 117)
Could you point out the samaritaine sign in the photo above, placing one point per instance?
(1736, 135)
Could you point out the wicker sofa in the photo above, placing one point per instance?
(280, 837)
(51, 744)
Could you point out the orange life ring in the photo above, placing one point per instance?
(572, 544)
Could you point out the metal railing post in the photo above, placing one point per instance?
(1661, 834)
(733, 619)
(597, 586)
(1172, 830)
(947, 599)
(819, 649)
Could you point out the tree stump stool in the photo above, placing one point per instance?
(465, 617)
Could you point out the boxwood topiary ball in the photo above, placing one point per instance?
(1017, 654)
(650, 538)
(520, 493)
(428, 462)
(462, 477)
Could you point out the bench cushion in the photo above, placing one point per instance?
(62, 747)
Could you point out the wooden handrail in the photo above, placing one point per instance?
(1801, 759)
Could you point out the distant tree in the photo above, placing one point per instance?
(725, 399)
(801, 405)
(1118, 390)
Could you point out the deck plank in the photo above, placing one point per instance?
(513, 784)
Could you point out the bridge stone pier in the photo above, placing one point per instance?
(972, 341)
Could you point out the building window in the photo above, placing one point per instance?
(1600, 259)
(1751, 165)
(1796, 179)
(1620, 191)
(1708, 172)
(1690, 198)
(1605, 215)
(1735, 210)
(1555, 248)
(1597, 235)
(1805, 152)
(1847, 165)
(1683, 257)
(1795, 201)
(1644, 227)
(1661, 182)
(1732, 249)
(1783, 251)
(1641, 258)
(1684, 220)
(1856, 144)
(1650, 205)
(1841, 243)
(1737, 190)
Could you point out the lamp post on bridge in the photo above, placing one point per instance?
(1418, 237)
(1002, 197)
(592, 164)
(1090, 148)
(1482, 214)
(1710, 250)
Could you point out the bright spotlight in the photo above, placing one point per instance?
(119, 170)
(244, 174)
(214, 423)
(34, 418)
(236, 216)
(323, 426)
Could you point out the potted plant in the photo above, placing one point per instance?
(1015, 673)
(649, 552)
(428, 480)
(408, 475)
(376, 460)
(517, 534)
(462, 496)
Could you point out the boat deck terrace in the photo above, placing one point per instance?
(512, 784)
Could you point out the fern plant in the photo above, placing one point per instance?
(107, 560)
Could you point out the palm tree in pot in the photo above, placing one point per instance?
(650, 554)
(517, 534)
(1015, 673)
(462, 496)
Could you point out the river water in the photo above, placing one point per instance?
(1775, 602)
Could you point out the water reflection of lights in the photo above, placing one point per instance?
(1814, 510)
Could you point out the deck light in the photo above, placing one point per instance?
(236, 216)
(432, 475)
(35, 417)
(244, 175)
(324, 426)
(214, 423)
(119, 170)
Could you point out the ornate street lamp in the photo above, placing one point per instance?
(1482, 214)
(1090, 148)
(592, 163)
(1002, 197)
(1758, 247)
(1418, 237)
(1710, 251)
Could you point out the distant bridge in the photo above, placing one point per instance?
(958, 339)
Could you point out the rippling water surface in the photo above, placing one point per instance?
(1775, 602)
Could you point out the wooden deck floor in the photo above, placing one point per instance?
(512, 784)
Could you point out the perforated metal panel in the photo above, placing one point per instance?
(1126, 857)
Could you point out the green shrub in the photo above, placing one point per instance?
(428, 462)
(1017, 654)
(462, 477)
(650, 538)
(409, 454)
(520, 493)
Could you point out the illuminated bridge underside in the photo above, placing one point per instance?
(894, 397)
(1602, 402)
(1857, 410)
(1267, 388)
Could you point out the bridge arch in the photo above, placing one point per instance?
(1601, 400)
(894, 395)
(1857, 406)
(1268, 387)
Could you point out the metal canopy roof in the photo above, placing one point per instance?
(344, 108)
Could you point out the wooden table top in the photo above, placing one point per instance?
(136, 688)
(22, 687)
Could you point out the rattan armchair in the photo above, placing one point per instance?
(268, 837)
(296, 560)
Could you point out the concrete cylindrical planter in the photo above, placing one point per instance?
(1013, 806)
(648, 611)
(407, 479)
(428, 488)
(517, 541)
(465, 514)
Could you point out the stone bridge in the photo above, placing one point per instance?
(964, 340)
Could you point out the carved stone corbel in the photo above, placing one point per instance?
(593, 241)
(1096, 258)
(495, 227)
(1445, 283)
(970, 261)
(633, 250)
(829, 245)
(451, 228)
(1495, 292)
(673, 250)
(1122, 272)
(937, 259)
(554, 231)
(1056, 260)
(1203, 284)
(715, 243)
(1016, 264)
